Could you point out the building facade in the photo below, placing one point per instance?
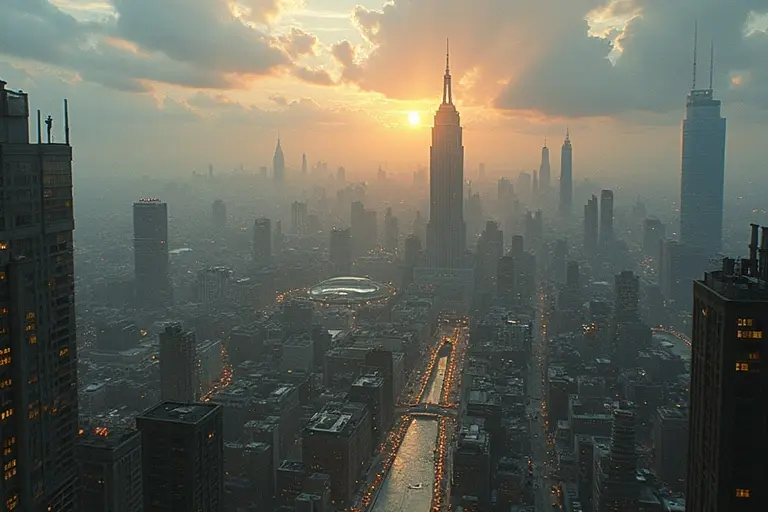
(38, 350)
(150, 253)
(446, 230)
(566, 175)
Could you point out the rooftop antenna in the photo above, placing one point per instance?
(695, 47)
(39, 128)
(49, 127)
(711, 63)
(66, 121)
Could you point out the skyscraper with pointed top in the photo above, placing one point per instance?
(303, 163)
(446, 230)
(278, 164)
(544, 170)
(703, 167)
(566, 175)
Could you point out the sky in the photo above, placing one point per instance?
(163, 87)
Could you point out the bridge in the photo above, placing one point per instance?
(425, 410)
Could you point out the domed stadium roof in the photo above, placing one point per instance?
(349, 290)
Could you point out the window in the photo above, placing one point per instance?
(6, 414)
(749, 335)
(32, 339)
(742, 367)
(742, 493)
(754, 356)
(30, 316)
(744, 322)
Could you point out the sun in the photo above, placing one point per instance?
(414, 118)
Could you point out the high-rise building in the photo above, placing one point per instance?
(391, 231)
(703, 169)
(341, 251)
(219, 215)
(299, 218)
(38, 374)
(544, 170)
(212, 285)
(490, 249)
(615, 482)
(590, 228)
(150, 254)
(606, 218)
(627, 287)
(727, 445)
(278, 164)
(109, 463)
(262, 241)
(446, 230)
(182, 449)
(670, 445)
(566, 175)
(179, 375)
(653, 234)
(304, 164)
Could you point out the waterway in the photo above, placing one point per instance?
(414, 463)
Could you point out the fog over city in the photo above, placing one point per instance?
(369, 256)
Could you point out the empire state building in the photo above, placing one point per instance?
(446, 230)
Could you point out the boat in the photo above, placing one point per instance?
(416, 486)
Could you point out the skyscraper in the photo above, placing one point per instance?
(606, 218)
(446, 230)
(179, 372)
(566, 175)
(544, 170)
(219, 215)
(182, 457)
(703, 169)
(304, 163)
(590, 228)
(150, 254)
(616, 488)
(262, 242)
(627, 289)
(341, 251)
(727, 445)
(278, 164)
(38, 374)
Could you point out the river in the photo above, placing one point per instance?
(414, 463)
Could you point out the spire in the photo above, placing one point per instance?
(447, 93)
(695, 48)
(545, 142)
(567, 134)
(711, 63)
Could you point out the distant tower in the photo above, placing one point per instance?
(341, 251)
(606, 218)
(262, 242)
(304, 163)
(179, 374)
(150, 254)
(446, 230)
(210, 170)
(278, 164)
(219, 215)
(544, 171)
(590, 227)
(703, 168)
(566, 175)
(535, 189)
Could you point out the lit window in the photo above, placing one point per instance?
(63, 352)
(742, 367)
(30, 316)
(33, 339)
(742, 493)
(744, 322)
(754, 356)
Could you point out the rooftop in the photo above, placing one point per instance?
(103, 437)
(349, 290)
(179, 412)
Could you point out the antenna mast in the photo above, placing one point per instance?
(695, 47)
(711, 63)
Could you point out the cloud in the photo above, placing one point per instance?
(631, 55)
(313, 76)
(214, 44)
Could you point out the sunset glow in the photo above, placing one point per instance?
(414, 119)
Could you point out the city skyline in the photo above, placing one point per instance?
(623, 115)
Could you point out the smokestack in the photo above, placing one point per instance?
(753, 251)
(764, 255)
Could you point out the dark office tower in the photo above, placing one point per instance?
(150, 254)
(670, 446)
(627, 288)
(559, 260)
(490, 249)
(590, 227)
(472, 467)
(506, 278)
(535, 187)
(278, 164)
(727, 445)
(653, 235)
(341, 251)
(524, 184)
(505, 191)
(544, 170)
(219, 215)
(534, 227)
(518, 246)
(109, 463)
(391, 231)
(178, 365)
(703, 170)
(616, 487)
(369, 389)
(38, 377)
(182, 451)
(278, 238)
(262, 241)
(606, 218)
(446, 231)
(341, 175)
(572, 276)
(299, 218)
(304, 163)
(566, 175)
(412, 259)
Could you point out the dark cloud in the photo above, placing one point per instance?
(521, 56)
(298, 43)
(313, 76)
